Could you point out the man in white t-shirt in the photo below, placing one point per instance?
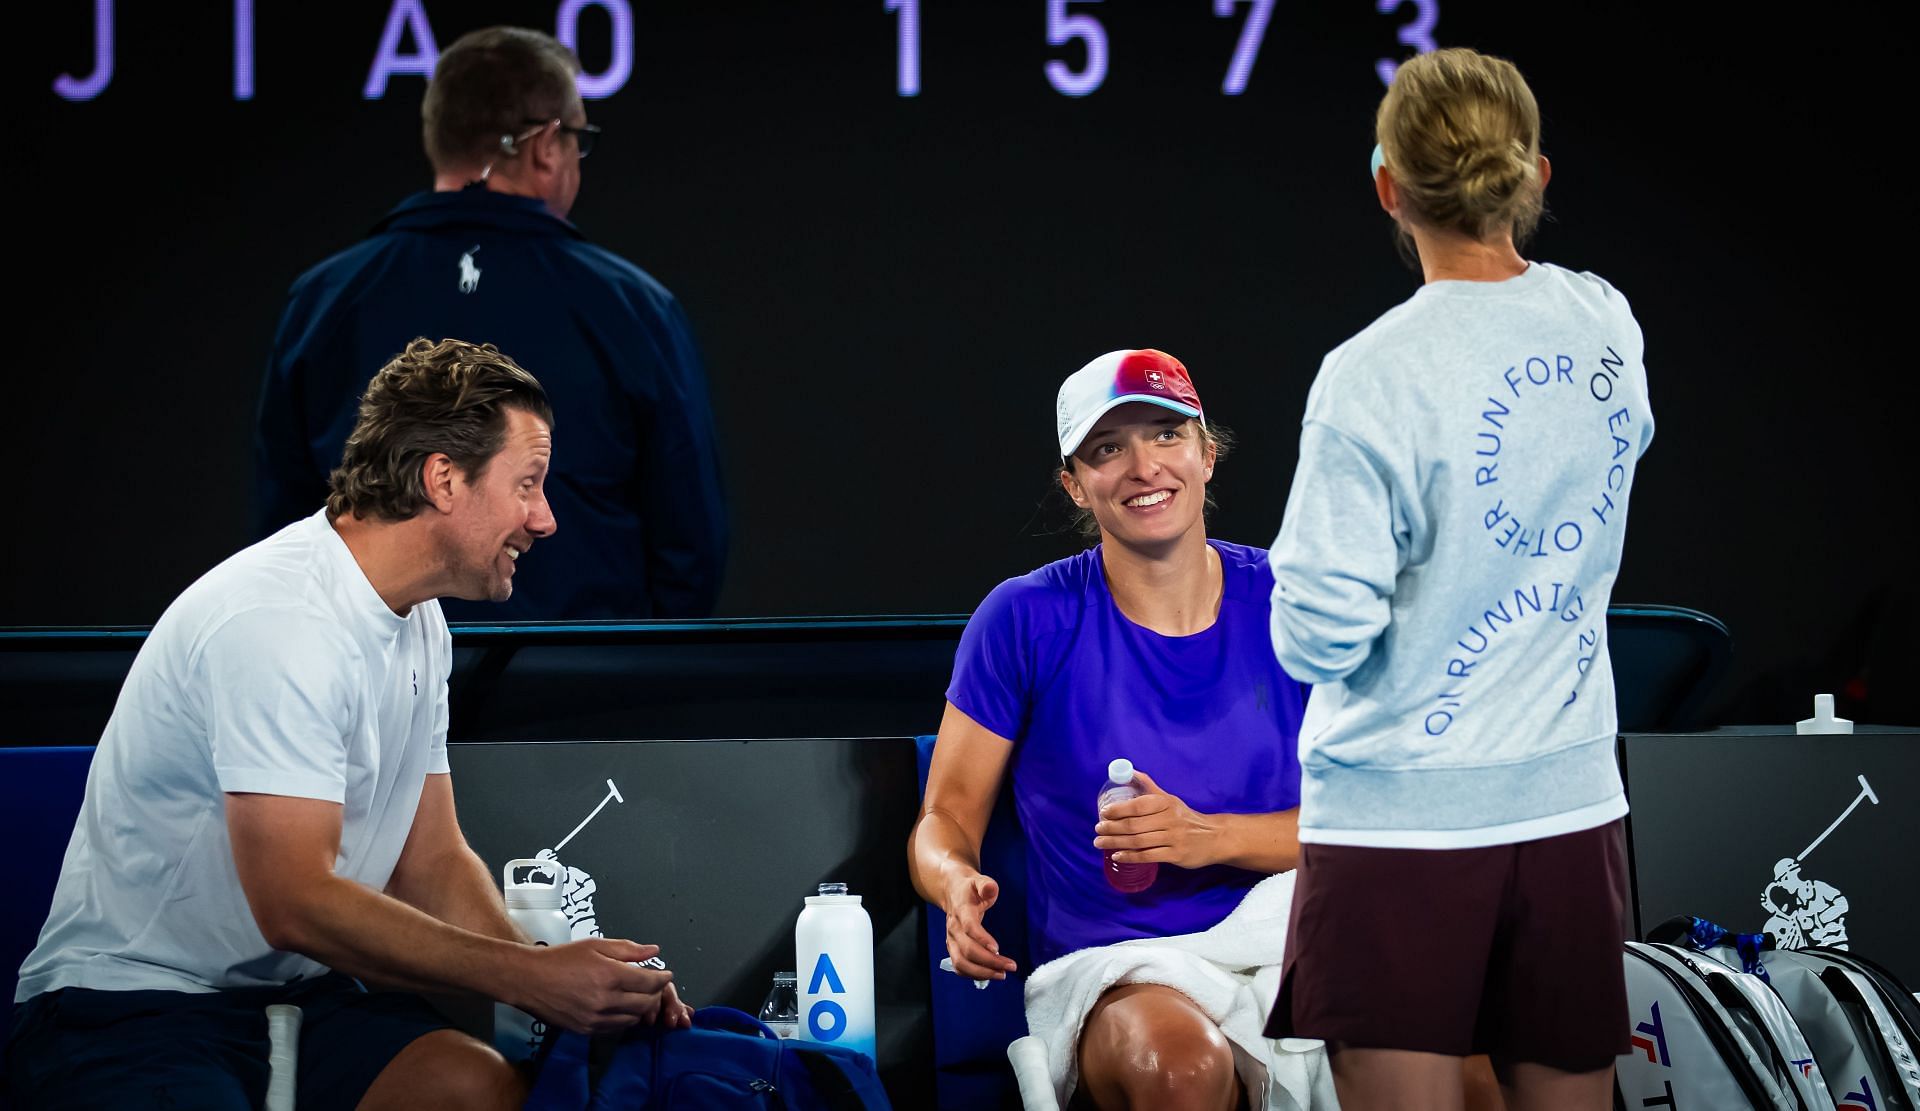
(269, 814)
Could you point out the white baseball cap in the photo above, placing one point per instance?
(1116, 378)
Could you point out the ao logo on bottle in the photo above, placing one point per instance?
(827, 1018)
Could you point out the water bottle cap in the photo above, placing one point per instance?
(1120, 771)
(533, 898)
(786, 977)
(531, 894)
(833, 895)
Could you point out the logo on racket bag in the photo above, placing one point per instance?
(1649, 1037)
(1861, 1100)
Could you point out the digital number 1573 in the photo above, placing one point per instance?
(1066, 27)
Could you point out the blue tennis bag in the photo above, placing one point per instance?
(728, 1059)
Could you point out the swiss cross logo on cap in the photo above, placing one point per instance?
(1150, 373)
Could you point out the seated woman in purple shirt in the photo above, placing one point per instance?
(1152, 646)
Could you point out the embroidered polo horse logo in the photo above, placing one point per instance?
(469, 273)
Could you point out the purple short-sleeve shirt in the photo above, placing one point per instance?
(1050, 663)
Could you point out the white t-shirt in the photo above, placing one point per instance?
(279, 672)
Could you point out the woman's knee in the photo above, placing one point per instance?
(1188, 1068)
(1155, 1047)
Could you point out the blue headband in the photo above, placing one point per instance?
(1379, 160)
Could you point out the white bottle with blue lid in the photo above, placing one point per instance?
(833, 946)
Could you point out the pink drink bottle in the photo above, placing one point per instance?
(1119, 787)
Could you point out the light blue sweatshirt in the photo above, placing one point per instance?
(1449, 549)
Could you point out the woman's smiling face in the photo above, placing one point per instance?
(1142, 472)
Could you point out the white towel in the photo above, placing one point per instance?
(1232, 971)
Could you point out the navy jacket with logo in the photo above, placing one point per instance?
(635, 486)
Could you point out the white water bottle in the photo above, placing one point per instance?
(534, 906)
(833, 944)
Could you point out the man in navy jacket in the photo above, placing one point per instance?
(489, 256)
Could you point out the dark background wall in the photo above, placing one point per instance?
(888, 289)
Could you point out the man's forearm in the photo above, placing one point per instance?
(456, 888)
(354, 929)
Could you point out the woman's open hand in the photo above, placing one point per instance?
(975, 953)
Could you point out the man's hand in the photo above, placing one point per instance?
(589, 987)
(674, 1015)
(975, 954)
(1157, 828)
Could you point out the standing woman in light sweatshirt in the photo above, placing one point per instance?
(1442, 577)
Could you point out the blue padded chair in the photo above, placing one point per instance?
(972, 1026)
(40, 794)
(1666, 662)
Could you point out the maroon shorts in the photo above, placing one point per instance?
(1510, 950)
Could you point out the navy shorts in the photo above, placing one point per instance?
(1508, 950)
(79, 1048)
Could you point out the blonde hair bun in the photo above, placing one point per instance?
(1460, 132)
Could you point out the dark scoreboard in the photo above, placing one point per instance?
(896, 225)
(1076, 34)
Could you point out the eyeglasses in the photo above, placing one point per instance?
(584, 136)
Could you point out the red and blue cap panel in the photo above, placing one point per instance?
(1119, 377)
